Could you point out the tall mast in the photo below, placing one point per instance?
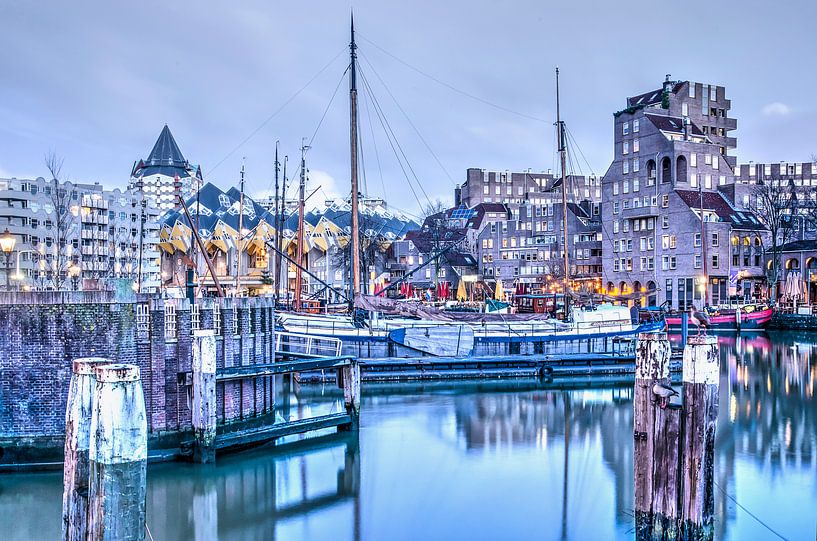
(240, 243)
(300, 253)
(276, 271)
(355, 246)
(563, 158)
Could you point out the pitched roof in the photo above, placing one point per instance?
(166, 159)
(807, 245)
(653, 96)
(672, 124)
(717, 203)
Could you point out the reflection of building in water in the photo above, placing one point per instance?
(771, 410)
(538, 418)
(255, 496)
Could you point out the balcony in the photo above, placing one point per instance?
(641, 212)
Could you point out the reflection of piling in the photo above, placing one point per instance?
(674, 445)
(77, 442)
(204, 396)
(701, 377)
(118, 455)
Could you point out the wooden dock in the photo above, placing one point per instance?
(492, 367)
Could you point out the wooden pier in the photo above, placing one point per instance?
(674, 440)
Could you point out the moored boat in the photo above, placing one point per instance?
(745, 318)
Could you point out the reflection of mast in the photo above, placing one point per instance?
(566, 465)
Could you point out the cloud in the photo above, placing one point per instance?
(776, 109)
(329, 188)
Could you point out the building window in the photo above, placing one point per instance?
(665, 200)
(615, 226)
(697, 261)
(615, 188)
(615, 207)
(673, 241)
(697, 241)
(715, 239)
(635, 165)
(684, 109)
(635, 125)
(625, 128)
(665, 221)
(708, 181)
(693, 180)
(626, 166)
(714, 261)
(625, 147)
(636, 145)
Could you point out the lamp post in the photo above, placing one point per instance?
(73, 273)
(7, 241)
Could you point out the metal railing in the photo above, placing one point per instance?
(307, 345)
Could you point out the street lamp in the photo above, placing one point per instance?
(7, 241)
(73, 272)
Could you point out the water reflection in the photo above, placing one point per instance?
(488, 460)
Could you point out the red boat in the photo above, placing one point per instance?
(747, 318)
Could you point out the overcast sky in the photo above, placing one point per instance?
(96, 81)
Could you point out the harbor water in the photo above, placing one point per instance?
(485, 460)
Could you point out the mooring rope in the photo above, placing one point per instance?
(749, 512)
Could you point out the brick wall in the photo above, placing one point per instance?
(42, 332)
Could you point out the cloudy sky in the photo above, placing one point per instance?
(460, 83)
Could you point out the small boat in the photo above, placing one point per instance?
(744, 318)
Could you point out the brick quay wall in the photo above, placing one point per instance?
(42, 332)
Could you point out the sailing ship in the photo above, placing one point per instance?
(425, 330)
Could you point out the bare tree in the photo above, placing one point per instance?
(63, 222)
(777, 204)
(433, 207)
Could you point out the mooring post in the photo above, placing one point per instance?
(350, 381)
(701, 379)
(118, 455)
(204, 396)
(652, 366)
(76, 469)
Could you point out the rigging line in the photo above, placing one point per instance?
(386, 131)
(374, 143)
(397, 142)
(451, 87)
(362, 164)
(277, 111)
(320, 122)
(575, 144)
(420, 135)
(747, 511)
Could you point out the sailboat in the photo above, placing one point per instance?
(413, 328)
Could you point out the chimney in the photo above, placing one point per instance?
(667, 83)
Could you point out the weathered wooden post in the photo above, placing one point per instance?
(118, 455)
(349, 380)
(204, 396)
(701, 379)
(651, 451)
(76, 469)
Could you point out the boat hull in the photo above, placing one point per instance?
(752, 322)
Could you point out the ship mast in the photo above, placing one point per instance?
(560, 126)
(300, 253)
(240, 243)
(355, 245)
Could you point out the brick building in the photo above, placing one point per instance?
(671, 230)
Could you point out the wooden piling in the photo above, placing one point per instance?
(118, 455)
(701, 376)
(652, 366)
(76, 467)
(204, 396)
(350, 381)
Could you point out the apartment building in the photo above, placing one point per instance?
(670, 228)
(78, 236)
(517, 188)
